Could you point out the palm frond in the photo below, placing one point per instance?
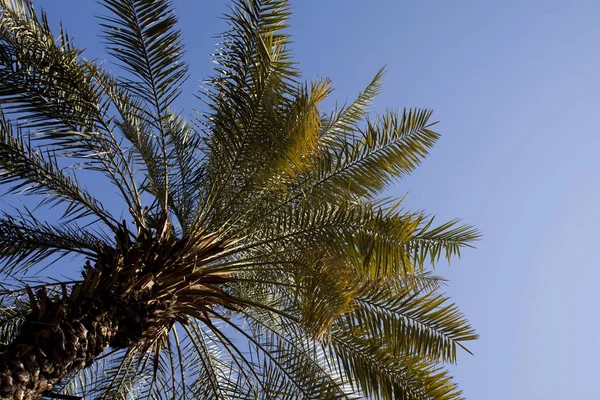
(145, 150)
(282, 373)
(49, 90)
(390, 147)
(215, 376)
(84, 382)
(254, 78)
(370, 236)
(305, 358)
(26, 241)
(292, 144)
(422, 282)
(343, 124)
(12, 315)
(423, 325)
(297, 228)
(428, 244)
(36, 173)
(378, 375)
(187, 171)
(141, 34)
(119, 379)
(42, 76)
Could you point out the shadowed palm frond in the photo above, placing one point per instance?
(141, 35)
(30, 171)
(26, 241)
(50, 91)
(12, 316)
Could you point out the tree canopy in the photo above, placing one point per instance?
(257, 258)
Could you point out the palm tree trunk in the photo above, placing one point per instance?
(65, 333)
(46, 351)
(117, 305)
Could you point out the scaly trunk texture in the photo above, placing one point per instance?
(113, 306)
(63, 335)
(131, 296)
(45, 353)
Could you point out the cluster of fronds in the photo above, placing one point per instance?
(314, 287)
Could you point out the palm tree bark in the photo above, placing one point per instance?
(64, 332)
(45, 353)
(119, 304)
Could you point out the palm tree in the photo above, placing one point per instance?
(256, 259)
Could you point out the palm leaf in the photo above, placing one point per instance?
(141, 34)
(26, 241)
(253, 77)
(47, 87)
(33, 172)
(381, 376)
(342, 124)
(428, 244)
(423, 325)
(390, 147)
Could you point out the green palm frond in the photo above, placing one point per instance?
(31, 171)
(142, 35)
(379, 375)
(123, 375)
(424, 325)
(42, 76)
(145, 150)
(391, 146)
(448, 238)
(306, 359)
(26, 241)
(254, 76)
(294, 143)
(422, 282)
(120, 377)
(342, 124)
(187, 170)
(207, 357)
(47, 87)
(282, 373)
(87, 380)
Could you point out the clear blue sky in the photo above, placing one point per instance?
(516, 86)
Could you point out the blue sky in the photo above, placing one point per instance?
(516, 88)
